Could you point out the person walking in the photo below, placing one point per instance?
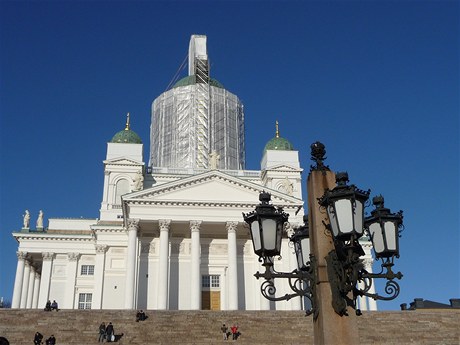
(101, 332)
(109, 331)
(224, 330)
(38, 338)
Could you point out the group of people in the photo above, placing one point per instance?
(51, 306)
(106, 333)
(233, 331)
(39, 337)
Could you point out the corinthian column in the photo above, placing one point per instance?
(99, 272)
(18, 280)
(36, 290)
(163, 264)
(46, 278)
(133, 227)
(232, 266)
(30, 290)
(195, 276)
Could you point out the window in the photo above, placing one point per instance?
(210, 281)
(84, 300)
(122, 188)
(87, 270)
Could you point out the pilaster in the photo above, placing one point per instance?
(72, 265)
(133, 228)
(99, 271)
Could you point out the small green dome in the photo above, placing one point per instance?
(191, 80)
(278, 143)
(126, 136)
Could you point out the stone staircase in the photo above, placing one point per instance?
(72, 327)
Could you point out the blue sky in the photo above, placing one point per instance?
(376, 82)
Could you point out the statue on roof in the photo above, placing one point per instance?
(26, 220)
(40, 220)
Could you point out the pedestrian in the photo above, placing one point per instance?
(224, 330)
(110, 333)
(234, 330)
(101, 332)
(51, 340)
(48, 306)
(38, 338)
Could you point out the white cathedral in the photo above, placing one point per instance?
(170, 234)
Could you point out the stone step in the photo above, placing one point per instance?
(72, 327)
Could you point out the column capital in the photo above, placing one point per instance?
(101, 248)
(22, 255)
(133, 224)
(195, 225)
(231, 226)
(28, 263)
(47, 256)
(73, 256)
(164, 224)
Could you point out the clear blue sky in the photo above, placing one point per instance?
(376, 82)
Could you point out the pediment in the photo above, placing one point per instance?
(284, 168)
(122, 161)
(213, 187)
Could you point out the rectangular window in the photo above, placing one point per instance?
(210, 281)
(87, 270)
(84, 300)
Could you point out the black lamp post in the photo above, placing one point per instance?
(266, 227)
(347, 276)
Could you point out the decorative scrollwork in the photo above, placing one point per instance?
(302, 283)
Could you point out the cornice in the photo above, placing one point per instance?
(55, 237)
(180, 203)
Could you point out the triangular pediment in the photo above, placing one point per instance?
(284, 168)
(213, 187)
(122, 161)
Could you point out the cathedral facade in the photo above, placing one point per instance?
(170, 233)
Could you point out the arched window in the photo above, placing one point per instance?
(122, 188)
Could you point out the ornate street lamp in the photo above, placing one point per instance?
(267, 224)
(345, 208)
(266, 227)
(384, 229)
(301, 240)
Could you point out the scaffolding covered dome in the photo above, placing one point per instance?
(197, 119)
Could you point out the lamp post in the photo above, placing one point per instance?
(332, 277)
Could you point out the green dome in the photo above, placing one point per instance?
(127, 135)
(278, 143)
(191, 80)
